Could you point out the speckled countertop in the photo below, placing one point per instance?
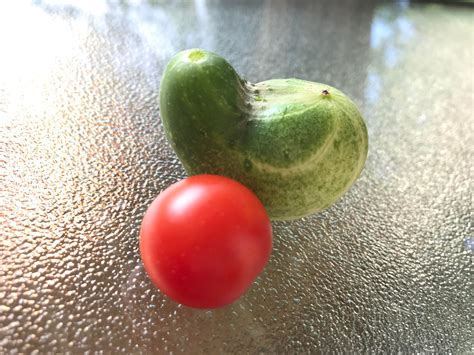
(82, 153)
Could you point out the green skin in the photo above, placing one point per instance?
(298, 145)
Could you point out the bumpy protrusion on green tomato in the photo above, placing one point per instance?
(297, 144)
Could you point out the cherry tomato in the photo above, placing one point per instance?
(204, 240)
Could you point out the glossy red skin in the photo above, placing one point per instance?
(204, 240)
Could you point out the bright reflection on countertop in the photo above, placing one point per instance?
(390, 32)
(35, 47)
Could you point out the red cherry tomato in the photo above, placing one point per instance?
(204, 240)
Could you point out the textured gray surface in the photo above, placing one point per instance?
(82, 154)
